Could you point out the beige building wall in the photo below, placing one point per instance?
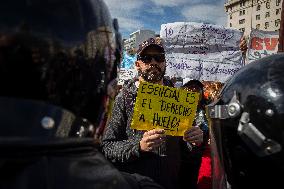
(258, 14)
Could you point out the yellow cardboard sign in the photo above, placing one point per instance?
(164, 107)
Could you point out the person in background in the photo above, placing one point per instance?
(56, 61)
(192, 161)
(243, 45)
(247, 139)
(136, 151)
(243, 48)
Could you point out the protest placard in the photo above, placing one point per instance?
(201, 51)
(164, 107)
(126, 74)
(261, 44)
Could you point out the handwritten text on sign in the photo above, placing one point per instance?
(126, 74)
(201, 51)
(164, 107)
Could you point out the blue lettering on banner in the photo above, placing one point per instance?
(201, 51)
(212, 70)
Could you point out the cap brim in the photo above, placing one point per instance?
(152, 45)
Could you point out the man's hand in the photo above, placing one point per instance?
(152, 139)
(194, 135)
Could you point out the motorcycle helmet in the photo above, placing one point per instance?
(57, 58)
(57, 54)
(247, 130)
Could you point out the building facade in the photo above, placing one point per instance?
(258, 14)
(136, 38)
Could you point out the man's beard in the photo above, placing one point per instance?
(153, 74)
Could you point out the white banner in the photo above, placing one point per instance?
(126, 74)
(201, 51)
(262, 43)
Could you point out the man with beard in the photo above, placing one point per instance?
(149, 153)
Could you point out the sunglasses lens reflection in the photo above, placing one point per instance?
(156, 57)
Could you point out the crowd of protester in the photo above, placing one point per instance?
(55, 102)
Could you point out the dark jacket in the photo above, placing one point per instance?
(120, 144)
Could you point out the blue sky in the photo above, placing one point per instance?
(151, 14)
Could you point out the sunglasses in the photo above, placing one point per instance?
(147, 58)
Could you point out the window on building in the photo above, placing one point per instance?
(278, 2)
(230, 24)
(267, 14)
(231, 16)
(257, 7)
(277, 23)
(244, 12)
(242, 29)
(242, 21)
(257, 26)
(268, 4)
(278, 11)
(242, 3)
(257, 17)
(266, 25)
(241, 12)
